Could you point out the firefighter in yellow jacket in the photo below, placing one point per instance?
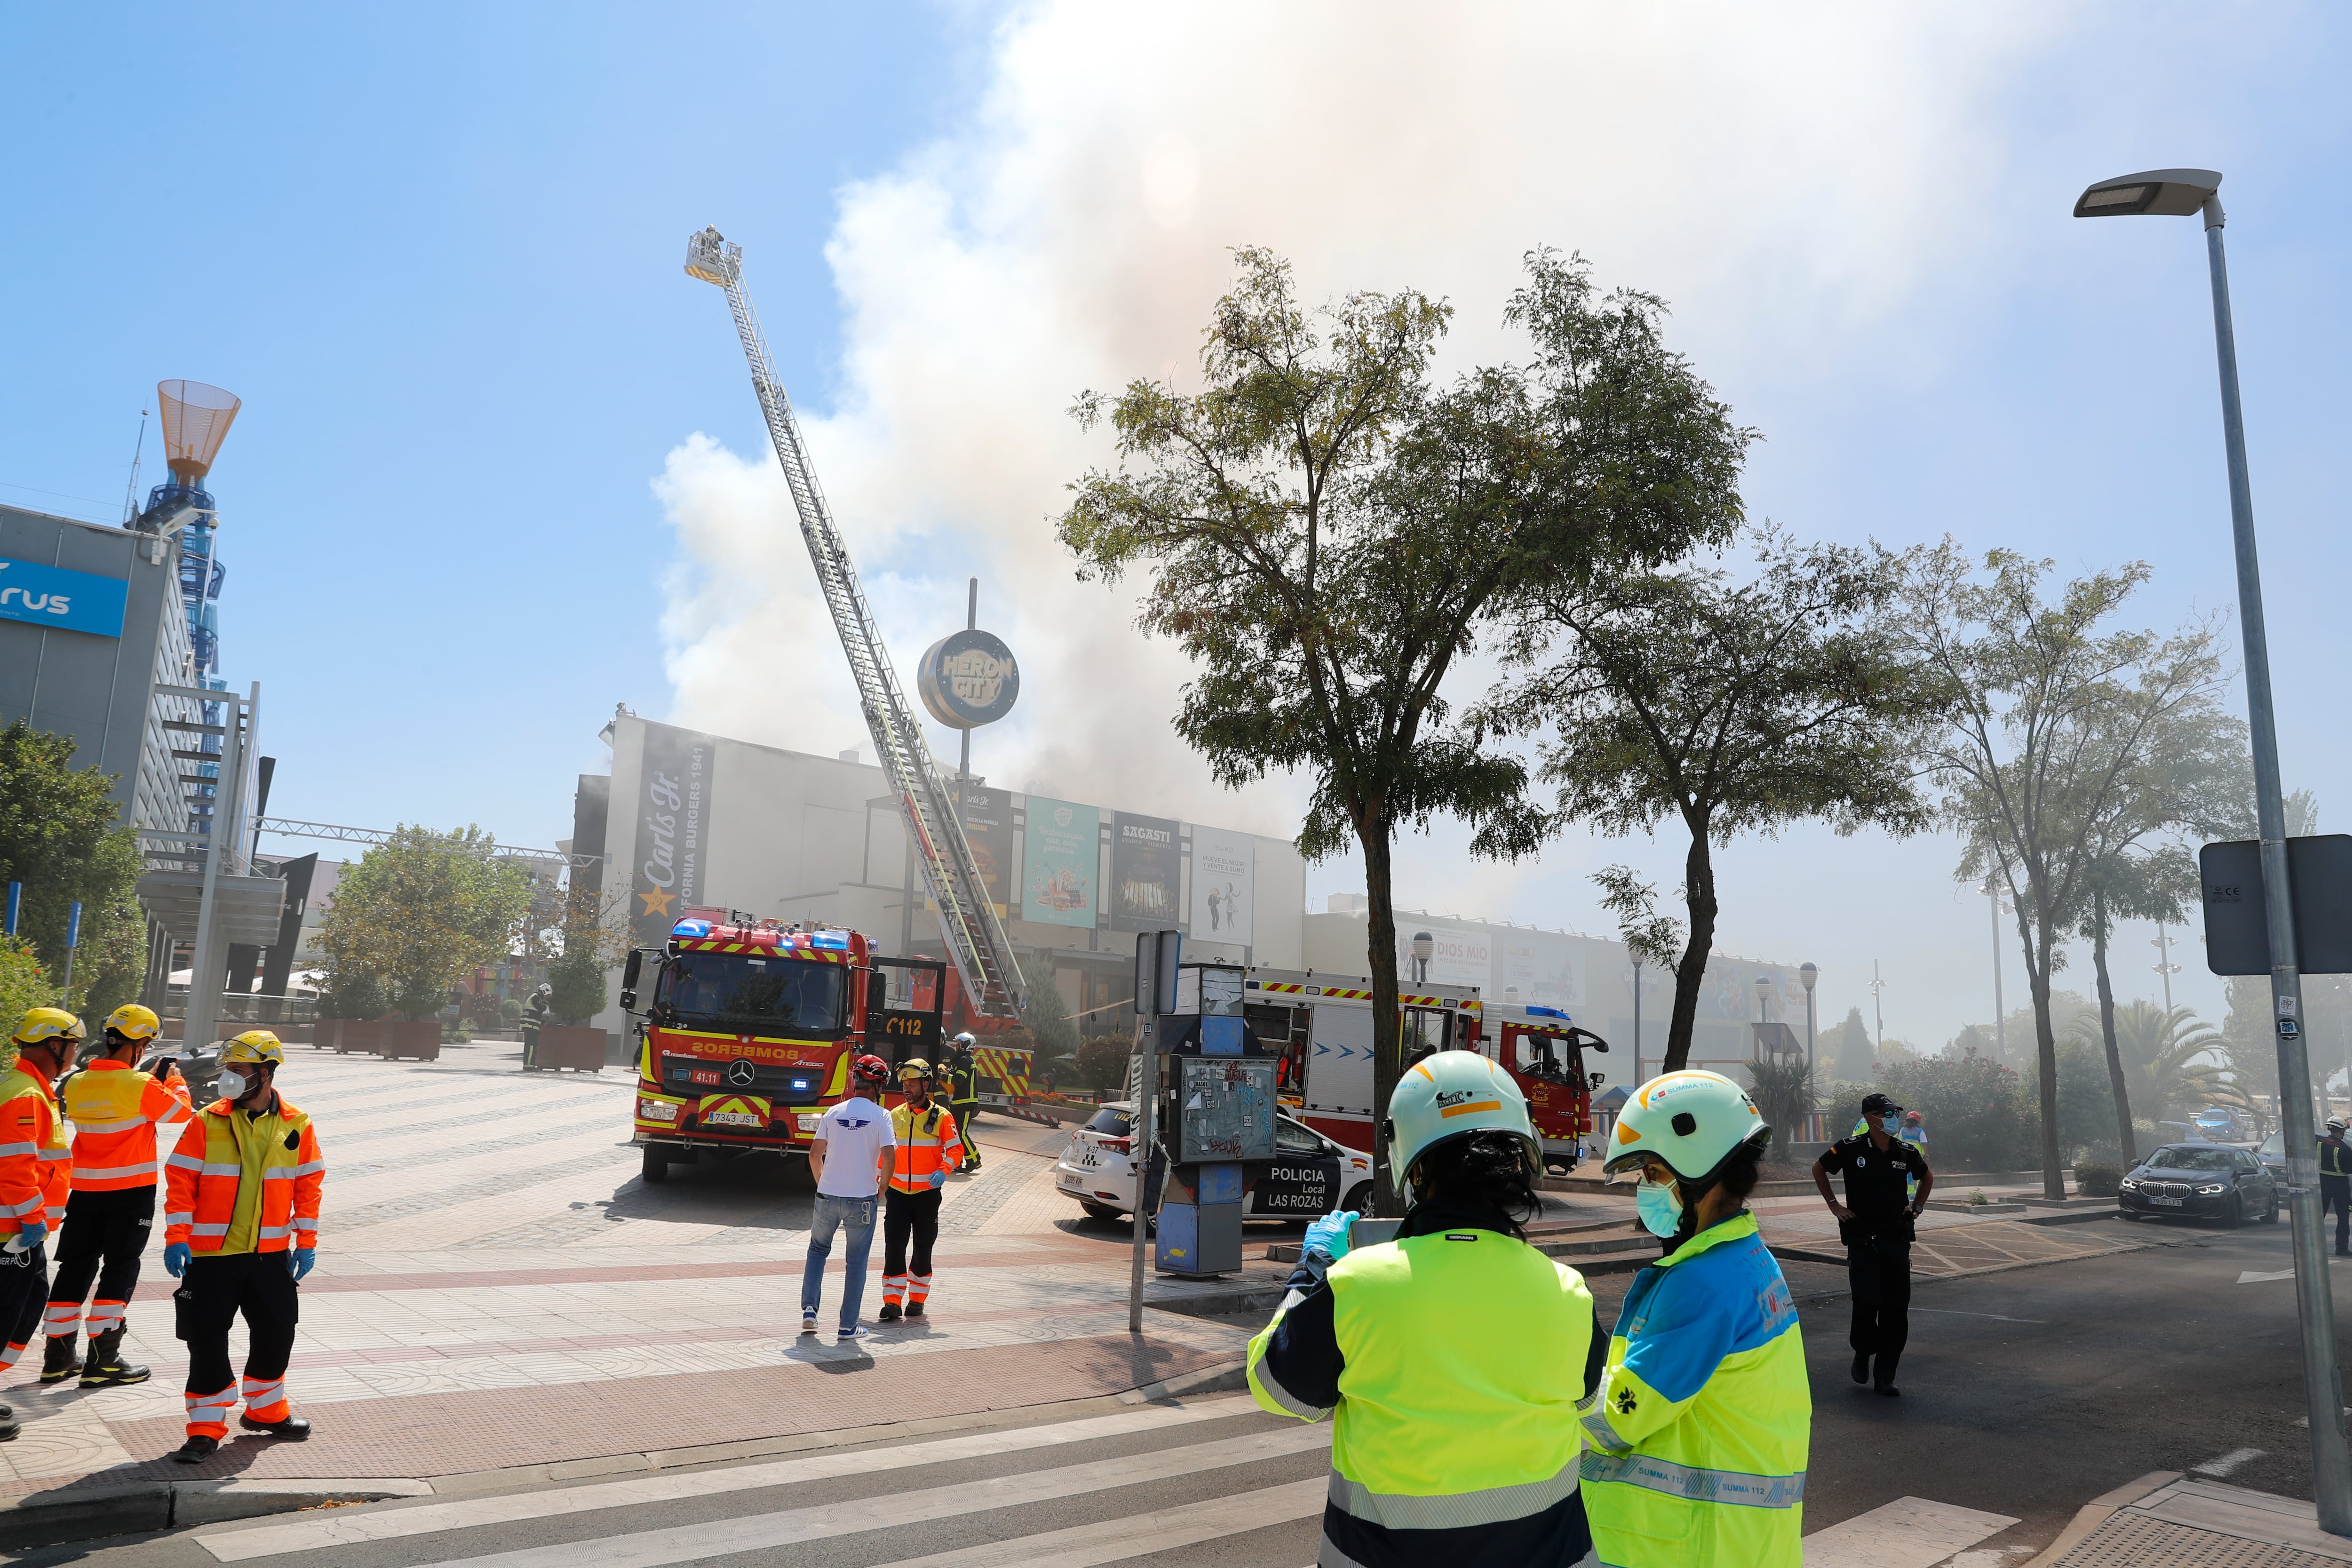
(34, 1164)
(241, 1229)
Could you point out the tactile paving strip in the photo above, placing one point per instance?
(2135, 1539)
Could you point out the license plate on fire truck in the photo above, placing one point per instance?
(746, 1112)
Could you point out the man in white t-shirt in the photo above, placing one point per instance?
(851, 1159)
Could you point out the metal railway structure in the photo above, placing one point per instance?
(287, 828)
(975, 938)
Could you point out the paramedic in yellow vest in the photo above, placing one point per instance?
(33, 1176)
(928, 1148)
(116, 1110)
(1701, 1425)
(1450, 1359)
(240, 1229)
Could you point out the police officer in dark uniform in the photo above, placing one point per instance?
(2335, 1183)
(1878, 1224)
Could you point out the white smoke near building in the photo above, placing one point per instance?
(1787, 176)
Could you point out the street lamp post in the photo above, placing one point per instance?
(2180, 192)
(1810, 976)
(1637, 1028)
(2000, 1008)
(2164, 964)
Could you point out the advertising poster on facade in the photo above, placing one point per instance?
(1224, 885)
(1443, 955)
(674, 803)
(1058, 861)
(1147, 872)
(1539, 969)
(987, 817)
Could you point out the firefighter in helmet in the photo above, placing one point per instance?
(963, 1094)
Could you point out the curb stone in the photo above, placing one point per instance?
(84, 1513)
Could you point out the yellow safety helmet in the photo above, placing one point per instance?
(255, 1045)
(133, 1022)
(914, 1066)
(47, 1024)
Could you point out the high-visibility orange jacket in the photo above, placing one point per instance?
(243, 1182)
(927, 1141)
(115, 1111)
(33, 1157)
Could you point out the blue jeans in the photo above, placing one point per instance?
(854, 1218)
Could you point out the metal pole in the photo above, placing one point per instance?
(73, 940)
(2165, 965)
(970, 623)
(206, 966)
(1637, 1028)
(2331, 1464)
(1809, 1043)
(1143, 1124)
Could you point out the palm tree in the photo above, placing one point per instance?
(2171, 1060)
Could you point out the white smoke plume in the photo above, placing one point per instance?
(1786, 176)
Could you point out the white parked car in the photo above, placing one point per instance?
(1309, 1175)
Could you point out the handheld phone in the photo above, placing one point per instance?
(1371, 1232)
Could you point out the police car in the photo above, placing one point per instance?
(1309, 1175)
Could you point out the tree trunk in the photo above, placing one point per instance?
(1690, 972)
(2107, 1030)
(1380, 962)
(2037, 970)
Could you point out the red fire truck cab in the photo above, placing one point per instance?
(1543, 1050)
(748, 1027)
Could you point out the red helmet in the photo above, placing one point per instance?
(871, 1068)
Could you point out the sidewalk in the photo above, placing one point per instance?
(2170, 1518)
(496, 1287)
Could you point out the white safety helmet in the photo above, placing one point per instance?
(1694, 1121)
(1450, 1095)
(2336, 1124)
(964, 1040)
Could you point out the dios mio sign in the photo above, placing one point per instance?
(967, 679)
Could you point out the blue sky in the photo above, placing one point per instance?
(436, 251)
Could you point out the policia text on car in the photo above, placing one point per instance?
(241, 1229)
(1886, 1184)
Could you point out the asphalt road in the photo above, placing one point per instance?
(2025, 1392)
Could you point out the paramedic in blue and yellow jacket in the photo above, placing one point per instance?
(1700, 1427)
(1451, 1444)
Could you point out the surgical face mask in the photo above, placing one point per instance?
(231, 1084)
(1659, 1207)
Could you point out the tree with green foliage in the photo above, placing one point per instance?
(1102, 1062)
(2172, 1060)
(59, 837)
(593, 941)
(417, 913)
(2053, 718)
(25, 985)
(1728, 706)
(1325, 531)
(1851, 1052)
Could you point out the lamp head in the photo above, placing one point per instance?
(1809, 974)
(2169, 193)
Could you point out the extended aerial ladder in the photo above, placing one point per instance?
(975, 938)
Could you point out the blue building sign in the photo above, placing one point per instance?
(53, 597)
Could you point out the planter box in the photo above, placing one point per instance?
(580, 1046)
(358, 1035)
(324, 1033)
(406, 1041)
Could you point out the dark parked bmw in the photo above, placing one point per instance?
(2204, 1181)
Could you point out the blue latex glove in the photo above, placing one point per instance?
(31, 1235)
(1328, 1236)
(940, 1177)
(301, 1260)
(175, 1258)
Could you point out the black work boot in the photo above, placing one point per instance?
(889, 1313)
(294, 1428)
(914, 1308)
(106, 1368)
(58, 1360)
(196, 1450)
(1862, 1366)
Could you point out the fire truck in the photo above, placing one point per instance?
(1322, 1024)
(749, 1028)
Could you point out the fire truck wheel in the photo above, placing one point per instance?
(657, 1163)
(1360, 1198)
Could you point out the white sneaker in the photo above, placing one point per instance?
(850, 1336)
(808, 1322)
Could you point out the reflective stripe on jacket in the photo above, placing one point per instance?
(927, 1141)
(1439, 1426)
(2335, 1157)
(34, 1159)
(239, 1183)
(1703, 1421)
(115, 1111)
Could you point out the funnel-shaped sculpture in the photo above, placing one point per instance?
(197, 418)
